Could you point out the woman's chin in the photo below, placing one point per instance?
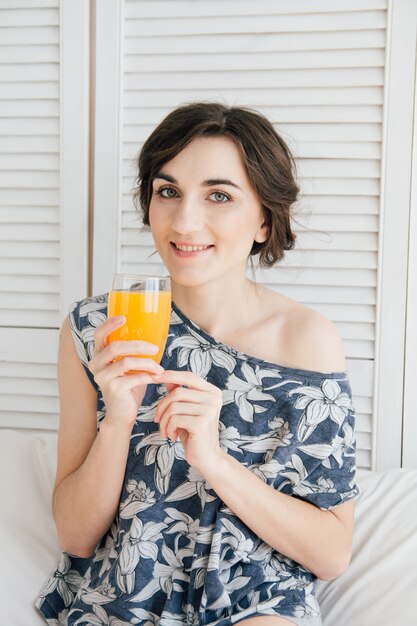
(190, 278)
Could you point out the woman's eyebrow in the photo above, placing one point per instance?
(206, 183)
(219, 181)
(167, 177)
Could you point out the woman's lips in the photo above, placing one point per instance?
(192, 253)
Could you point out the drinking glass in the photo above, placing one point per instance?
(145, 301)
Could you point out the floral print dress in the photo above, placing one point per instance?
(175, 553)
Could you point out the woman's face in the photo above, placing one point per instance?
(204, 214)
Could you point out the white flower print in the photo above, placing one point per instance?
(229, 438)
(227, 549)
(172, 619)
(103, 594)
(294, 582)
(343, 447)
(139, 499)
(245, 393)
(65, 580)
(339, 449)
(175, 319)
(192, 617)
(194, 484)
(189, 617)
(318, 450)
(278, 436)
(100, 618)
(200, 565)
(96, 318)
(281, 430)
(231, 581)
(145, 618)
(200, 355)
(100, 417)
(139, 542)
(276, 567)
(253, 598)
(269, 470)
(173, 570)
(148, 413)
(108, 551)
(312, 606)
(319, 404)
(234, 544)
(182, 523)
(162, 452)
(266, 607)
(165, 575)
(322, 485)
(297, 473)
(295, 470)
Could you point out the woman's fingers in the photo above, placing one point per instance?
(189, 379)
(105, 329)
(119, 349)
(174, 410)
(122, 369)
(128, 364)
(179, 394)
(122, 384)
(179, 423)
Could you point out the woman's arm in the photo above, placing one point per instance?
(319, 540)
(91, 465)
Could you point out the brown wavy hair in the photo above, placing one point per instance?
(266, 157)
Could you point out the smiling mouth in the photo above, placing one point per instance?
(187, 248)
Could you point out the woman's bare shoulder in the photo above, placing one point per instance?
(308, 339)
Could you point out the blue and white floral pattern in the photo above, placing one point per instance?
(175, 554)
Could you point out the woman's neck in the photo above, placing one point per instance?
(216, 309)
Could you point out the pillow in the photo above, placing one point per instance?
(380, 586)
(28, 545)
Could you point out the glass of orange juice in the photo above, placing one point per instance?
(145, 301)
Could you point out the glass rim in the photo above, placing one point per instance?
(154, 276)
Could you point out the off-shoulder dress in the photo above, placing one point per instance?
(175, 553)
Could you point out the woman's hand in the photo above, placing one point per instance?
(191, 411)
(113, 367)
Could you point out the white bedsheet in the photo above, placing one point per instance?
(379, 588)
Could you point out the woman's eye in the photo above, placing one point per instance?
(219, 196)
(167, 192)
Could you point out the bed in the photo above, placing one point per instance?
(378, 589)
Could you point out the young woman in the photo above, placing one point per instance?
(214, 488)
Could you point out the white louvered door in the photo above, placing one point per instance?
(43, 171)
(318, 71)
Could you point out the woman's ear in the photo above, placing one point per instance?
(262, 233)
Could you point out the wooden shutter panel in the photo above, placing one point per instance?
(37, 280)
(29, 164)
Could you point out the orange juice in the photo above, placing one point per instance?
(147, 317)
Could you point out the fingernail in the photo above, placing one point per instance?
(119, 319)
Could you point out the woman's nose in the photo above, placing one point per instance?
(188, 217)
